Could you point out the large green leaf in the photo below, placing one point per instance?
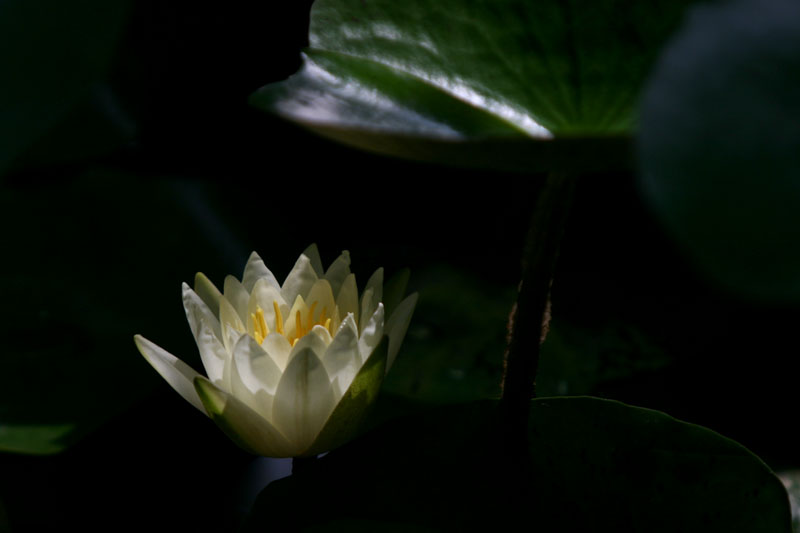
(594, 465)
(479, 82)
(721, 159)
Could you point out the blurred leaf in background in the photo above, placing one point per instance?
(720, 145)
(84, 276)
(55, 57)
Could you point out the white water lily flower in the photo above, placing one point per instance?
(293, 367)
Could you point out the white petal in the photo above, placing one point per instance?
(375, 283)
(241, 423)
(197, 308)
(255, 376)
(290, 319)
(338, 271)
(206, 330)
(311, 342)
(256, 270)
(373, 295)
(299, 281)
(368, 306)
(263, 296)
(371, 334)
(316, 262)
(237, 295)
(322, 294)
(208, 292)
(341, 359)
(278, 348)
(397, 325)
(231, 324)
(177, 373)
(323, 333)
(347, 300)
(304, 399)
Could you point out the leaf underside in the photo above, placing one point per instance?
(483, 84)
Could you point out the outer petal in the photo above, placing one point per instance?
(237, 295)
(397, 325)
(206, 330)
(345, 420)
(338, 271)
(208, 292)
(255, 376)
(316, 262)
(347, 300)
(373, 294)
(244, 426)
(304, 399)
(371, 334)
(299, 281)
(197, 310)
(177, 373)
(254, 270)
(230, 323)
(278, 348)
(341, 359)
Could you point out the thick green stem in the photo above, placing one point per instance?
(530, 315)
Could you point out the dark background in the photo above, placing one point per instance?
(161, 168)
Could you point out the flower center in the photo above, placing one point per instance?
(301, 327)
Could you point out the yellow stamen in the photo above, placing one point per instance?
(328, 326)
(310, 322)
(295, 342)
(256, 333)
(278, 317)
(262, 321)
(260, 329)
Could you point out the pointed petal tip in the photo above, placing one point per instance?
(138, 340)
(144, 345)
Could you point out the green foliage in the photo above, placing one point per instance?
(454, 348)
(593, 464)
(476, 83)
(719, 157)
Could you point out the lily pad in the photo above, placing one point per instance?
(593, 465)
(487, 83)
